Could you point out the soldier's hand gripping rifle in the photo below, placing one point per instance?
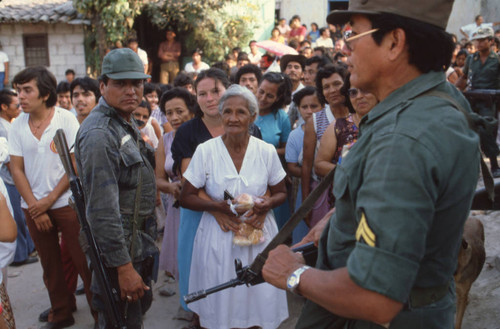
(111, 296)
(252, 274)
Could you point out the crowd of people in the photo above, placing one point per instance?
(220, 156)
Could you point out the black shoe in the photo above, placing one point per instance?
(80, 290)
(44, 316)
(28, 260)
(58, 325)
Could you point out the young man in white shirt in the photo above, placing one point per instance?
(196, 65)
(43, 185)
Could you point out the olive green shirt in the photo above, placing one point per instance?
(403, 193)
(483, 76)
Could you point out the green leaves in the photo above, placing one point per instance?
(216, 26)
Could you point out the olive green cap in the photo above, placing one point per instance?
(435, 12)
(123, 63)
(482, 32)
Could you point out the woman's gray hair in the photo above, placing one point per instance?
(243, 92)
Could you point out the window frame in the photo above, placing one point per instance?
(28, 61)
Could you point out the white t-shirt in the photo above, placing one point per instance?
(149, 131)
(143, 55)
(3, 58)
(189, 67)
(42, 166)
(255, 59)
(326, 43)
(469, 29)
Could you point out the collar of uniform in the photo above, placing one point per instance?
(111, 112)
(405, 93)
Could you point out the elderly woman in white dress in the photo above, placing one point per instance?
(238, 163)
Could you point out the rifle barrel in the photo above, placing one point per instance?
(192, 297)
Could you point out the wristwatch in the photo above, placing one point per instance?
(294, 279)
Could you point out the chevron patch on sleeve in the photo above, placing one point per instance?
(364, 233)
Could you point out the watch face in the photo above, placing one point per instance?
(292, 281)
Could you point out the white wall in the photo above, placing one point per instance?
(464, 12)
(65, 41)
(309, 11)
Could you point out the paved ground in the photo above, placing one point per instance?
(29, 298)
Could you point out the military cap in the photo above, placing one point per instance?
(482, 32)
(435, 12)
(123, 63)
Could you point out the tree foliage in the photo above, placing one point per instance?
(111, 20)
(216, 26)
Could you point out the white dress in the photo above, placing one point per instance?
(213, 253)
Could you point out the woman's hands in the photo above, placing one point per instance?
(262, 205)
(225, 217)
(174, 188)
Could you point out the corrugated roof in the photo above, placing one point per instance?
(36, 11)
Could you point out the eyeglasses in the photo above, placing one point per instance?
(349, 37)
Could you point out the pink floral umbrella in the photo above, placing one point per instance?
(276, 48)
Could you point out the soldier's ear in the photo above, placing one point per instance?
(395, 42)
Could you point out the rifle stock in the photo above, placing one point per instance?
(110, 295)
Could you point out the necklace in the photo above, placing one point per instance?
(35, 128)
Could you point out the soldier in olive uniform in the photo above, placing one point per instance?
(118, 181)
(482, 71)
(403, 192)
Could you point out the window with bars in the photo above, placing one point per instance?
(36, 50)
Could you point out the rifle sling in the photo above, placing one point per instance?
(287, 229)
(136, 209)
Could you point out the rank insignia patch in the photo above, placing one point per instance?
(364, 233)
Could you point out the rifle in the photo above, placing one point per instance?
(246, 275)
(308, 250)
(111, 296)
